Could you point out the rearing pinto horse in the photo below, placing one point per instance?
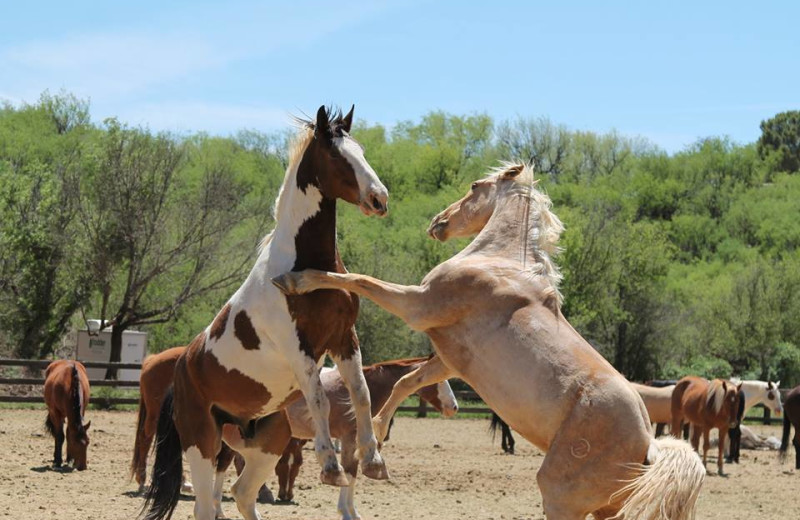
(263, 348)
(66, 394)
(493, 314)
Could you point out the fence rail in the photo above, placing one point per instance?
(422, 409)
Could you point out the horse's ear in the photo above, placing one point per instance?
(347, 122)
(86, 426)
(724, 385)
(777, 384)
(739, 386)
(322, 128)
(513, 171)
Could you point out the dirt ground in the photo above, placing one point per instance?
(443, 469)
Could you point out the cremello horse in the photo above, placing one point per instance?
(493, 314)
(263, 348)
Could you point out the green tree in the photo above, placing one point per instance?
(780, 135)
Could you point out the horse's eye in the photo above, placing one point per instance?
(474, 186)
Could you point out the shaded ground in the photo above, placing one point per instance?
(443, 469)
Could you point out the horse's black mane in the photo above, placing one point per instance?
(75, 395)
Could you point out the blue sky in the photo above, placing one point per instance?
(672, 72)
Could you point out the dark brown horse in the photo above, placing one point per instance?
(706, 405)
(791, 410)
(264, 349)
(66, 394)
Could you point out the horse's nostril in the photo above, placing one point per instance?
(376, 204)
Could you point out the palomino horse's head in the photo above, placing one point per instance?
(441, 397)
(468, 215)
(77, 444)
(338, 162)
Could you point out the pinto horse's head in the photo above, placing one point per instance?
(77, 444)
(441, 397)
(468, 215)
(339, 168)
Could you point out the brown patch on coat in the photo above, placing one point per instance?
(220, 322)
(198, 374)
(245, 332)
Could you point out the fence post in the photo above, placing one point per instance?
(422, 411)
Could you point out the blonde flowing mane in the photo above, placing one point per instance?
(296, 150)
(539, 240)
(715, 395)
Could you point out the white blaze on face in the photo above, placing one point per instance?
(370, 187)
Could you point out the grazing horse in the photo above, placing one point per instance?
(507, 439)
(705, 405)
(264, 349)
(66, 394)
(791, 417)
(493, 313)
(381, 378)
(658, 401)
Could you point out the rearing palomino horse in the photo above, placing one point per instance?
(262, 347)
(493, 314)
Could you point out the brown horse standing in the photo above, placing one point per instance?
(791, 408)
(66, 394)
(156, 377)
(706, 405)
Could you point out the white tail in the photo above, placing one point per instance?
(668, 485)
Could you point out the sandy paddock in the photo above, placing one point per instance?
(443, 469)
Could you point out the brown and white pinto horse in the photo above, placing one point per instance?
(66, 394)
(380, 379)
(263, 348)
(705, 405)
(493, 314)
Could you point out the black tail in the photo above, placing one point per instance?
(787, 427)
(137, 444)
(496, 422)
(49, 426)
(165, 486)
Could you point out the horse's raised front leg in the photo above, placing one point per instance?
(307, 376)
(348, 361)
(431, 372)
(409, 302)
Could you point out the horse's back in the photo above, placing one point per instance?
(58, 384)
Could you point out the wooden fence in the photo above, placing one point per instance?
(422, 409)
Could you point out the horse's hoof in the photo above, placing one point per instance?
(187, 487)
(286, 283)
(375, 470)
(265, 496)
(334, 477)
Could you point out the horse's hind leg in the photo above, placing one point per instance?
(347, 507)
(55, 425)
(796, 443)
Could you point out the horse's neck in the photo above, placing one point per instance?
(503, 233)
(304, 235)
(381, 381)
(753, 393)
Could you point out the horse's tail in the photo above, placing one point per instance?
(495, 424)
(49, 426)
(668, 485)
(165, 487)
(787, 427)
(137, 461)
